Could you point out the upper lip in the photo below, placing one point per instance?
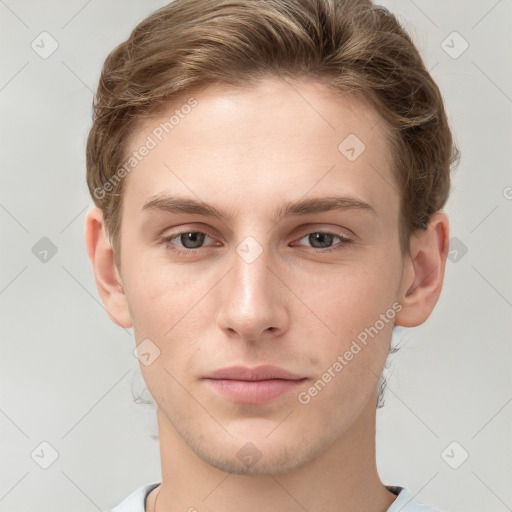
(262, 372)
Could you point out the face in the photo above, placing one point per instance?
(291, 258)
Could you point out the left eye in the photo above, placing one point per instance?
(323, 240)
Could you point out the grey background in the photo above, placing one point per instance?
(68, 373)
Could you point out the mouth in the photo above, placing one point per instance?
(258, 385)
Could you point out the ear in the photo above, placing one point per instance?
(424, 272)
(108, 279)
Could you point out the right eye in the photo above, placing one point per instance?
(185, 241)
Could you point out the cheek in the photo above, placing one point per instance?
(148, 300)
(361, 315)
(156, 290)
(172, 306)
(359, 306)
(356, 297)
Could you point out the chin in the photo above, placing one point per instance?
(251, 461)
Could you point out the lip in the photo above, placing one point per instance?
(262, 372)
(258, 385)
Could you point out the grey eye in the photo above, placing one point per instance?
(192, 239)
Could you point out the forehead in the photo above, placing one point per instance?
(276, 137)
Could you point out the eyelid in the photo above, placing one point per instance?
(187, 228)
(307, 230)
(342, 232)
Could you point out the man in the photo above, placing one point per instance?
(268, 177)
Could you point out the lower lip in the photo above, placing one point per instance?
(254, 392)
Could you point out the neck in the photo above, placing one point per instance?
(343, 478)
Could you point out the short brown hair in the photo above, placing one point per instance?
(346, 44)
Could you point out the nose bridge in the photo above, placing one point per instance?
(251, 274)
(250, 304)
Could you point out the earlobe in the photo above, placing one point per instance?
(424, 274)
(108, 279)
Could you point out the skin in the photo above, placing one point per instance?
(249, 152)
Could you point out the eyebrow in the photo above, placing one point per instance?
(175, 204)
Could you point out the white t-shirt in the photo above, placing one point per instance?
(405, 502)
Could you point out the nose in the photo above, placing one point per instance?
(252, 297)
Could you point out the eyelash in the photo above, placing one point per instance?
(167, 241)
